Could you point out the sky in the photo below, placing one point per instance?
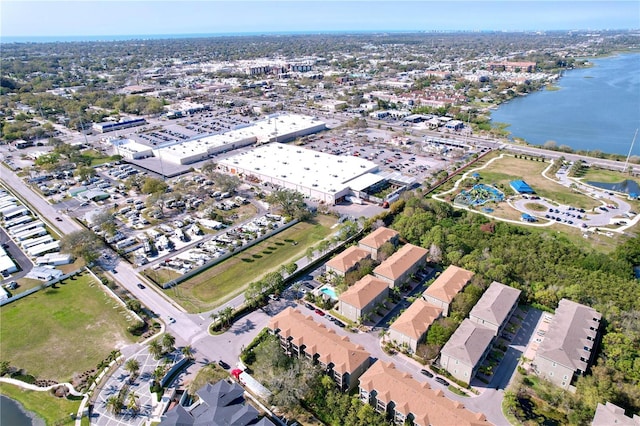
(52, 18)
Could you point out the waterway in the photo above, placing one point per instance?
(595, 108)
(13, 414)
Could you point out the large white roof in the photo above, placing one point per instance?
(300, 166)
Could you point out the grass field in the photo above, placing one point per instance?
(230, 278)
(54, 411)
(606, 176)
(506, 169)
(59, 331)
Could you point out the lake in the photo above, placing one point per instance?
(11, 413)
(596, 108)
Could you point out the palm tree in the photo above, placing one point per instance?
(168, 340)
(187, 351)
(132, 366)
(132, 402)
(226, 315)
(158, 374)
(114, 404)
(155, 349)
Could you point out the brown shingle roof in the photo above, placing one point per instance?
(331, 348)
(416, 319)
(400, 261)
(449, 283)
(429, 406)
(363, 291)
(348, 259)
(378, 237)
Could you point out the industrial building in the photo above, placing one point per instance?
(317, 175)
(276, 128)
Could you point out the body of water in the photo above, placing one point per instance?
(12, 413)
(596, 108)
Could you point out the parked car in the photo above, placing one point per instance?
(224, 365)
(319, 312)
(442, 381)
(426, 373)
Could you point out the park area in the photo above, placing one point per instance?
(231, 277)
(504, 170)
(63, 330)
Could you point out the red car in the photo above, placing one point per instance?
(319, 312)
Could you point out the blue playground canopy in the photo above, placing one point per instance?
(521, 187)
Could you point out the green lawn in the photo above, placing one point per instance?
(57, 332)
(54, 411)
(230, 278)
(606, 176)
(506, 169)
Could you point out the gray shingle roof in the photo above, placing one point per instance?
(495, 303)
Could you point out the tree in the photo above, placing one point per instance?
(155, 349)
(114, 404)
(83, 243)
(187, 351)
(168, 340)
(85, 172)
(133, 367)
(158, 374)
(209, 168)
(226, 183)
(225, 315)
(132, 402)
(289, 201)
(154, 186)
(134, 305)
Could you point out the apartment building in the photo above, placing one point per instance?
(362, 297)
(412, 325)
(398, 268)
(568, 348)
(405, 399)
(301, 336)
(375, 240)
(442, 291)
(347, 261)
(466, 349)
(495, 307)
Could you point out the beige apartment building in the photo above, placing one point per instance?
(412, 325)
(442, 291)
(347, 261)
(398, 268)
(375, 240)
(362, 297)
(405, 399)
(301, 336)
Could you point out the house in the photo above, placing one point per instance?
(466, 349)
(301, 336)
(362, 297)
(374, 241)
(347, 261)
(399, 267)
(568, 348)
(495, 307)
(611, 414)
(412, 325)
(405, 399)
(222, 403)
(442, 291)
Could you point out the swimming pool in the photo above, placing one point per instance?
(329, 291)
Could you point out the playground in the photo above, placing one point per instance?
(478, 195)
